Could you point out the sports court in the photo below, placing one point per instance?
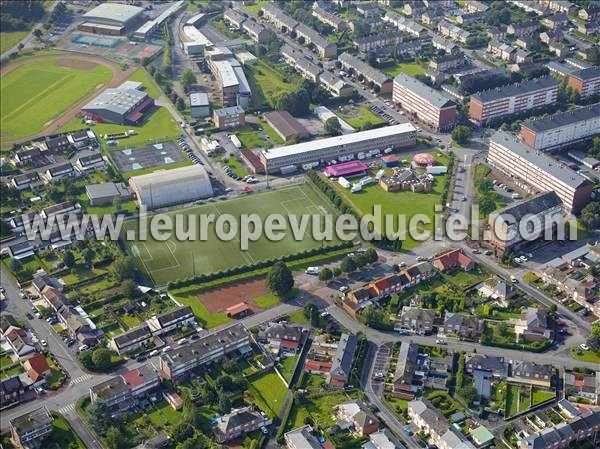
(149, 156)
(170, 260)
(136, 50)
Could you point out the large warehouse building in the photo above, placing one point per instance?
(397, 136)
(562, 129)
(111, 18)
(168, 188)
(537, 172)
(124, 105)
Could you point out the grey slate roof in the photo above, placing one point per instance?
(563, 118)
(344, 356)
(364, 68)
(587, 74)
(539, 159)
(533, 205)
(516, 89)
(426, 93)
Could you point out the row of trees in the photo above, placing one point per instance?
(18, 15)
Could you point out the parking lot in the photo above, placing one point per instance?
(147, 157)
(381, 365)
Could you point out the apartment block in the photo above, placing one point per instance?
(231, 117)
(31, 429)
(380, 81)
(426, 104)
(120, 392)
(562, 129)
(538, 171)
(513, 99)
(586, 81)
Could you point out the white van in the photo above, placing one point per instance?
(83, 348)
(312, 270)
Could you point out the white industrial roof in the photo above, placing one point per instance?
(226, 72)
(199, 99)
(113, 11)
(345, 139)
(192, 34)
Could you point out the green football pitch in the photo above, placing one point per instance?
(34, 93)
(173, 259)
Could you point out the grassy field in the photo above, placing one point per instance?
(169, 260)
(267, 81)
(8, 39)
(63, 436)
(319, 408)
(395, 203)
(586, 356)
(359, 118)
(35, 93)
(287, 366)
(411, 69)
(269, 393)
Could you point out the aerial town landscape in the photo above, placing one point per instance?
(245, 334)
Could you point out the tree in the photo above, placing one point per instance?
(325, 275)
(88, 256)
(114, 439)
(180, 104)
(15, 265)
(337, 271)
(348, 265)
(129, 289)
(371, 255)
(590, 216)
(37, 33)
(182, 432)
(69, 259)
(461, 134)
(333, 127)
(361, 261)
(487, 205)
(188, 79)
(123, 268)
(469, 393)
(99, 416)
(101, 358)
(224, 403)
(594, 337)
(280, 279)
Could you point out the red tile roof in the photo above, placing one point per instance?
(237, 309)
(381, 284)
(454, 258)
(289, 344)
(36, 366)
(133, 378)
(316, 365)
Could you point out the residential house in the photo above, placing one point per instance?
(432, 16)
(79, 326)
(406, 366)
(499, 290)
(417, 320)
(556, 22)
(131, 340)
(548, 36)
(533, 325)
(567, 284)
(31, 429)
(159, 441)
(589, 28)
(454, 32)
(592, 11)
(471, 17)
(59, 172)
(239, 422)
(20, 342)
(420, 272)
(283, 337)
(26, 181)
(584, 385)
(560, 50)
(121, 392)
(531, 373)
(523, 28)
(15, 390)
(455, 259)
(475, 6)
(302, 438)
(342, 362)
(363, 421)
(496, 365)
(501, 50)
(462, 324)
(90, 162)
(169, 321)
(36, 367)
(383, 439)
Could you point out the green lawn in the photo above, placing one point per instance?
(359, 118)
(585, 356)
(287, 365)
(395, 203)
(35, 93)
(518, 399)
(320, 408)
(17, 369)
(442, 400)
(251, 139)
(269, 393)
(5, 361)
(298, 317)
(62, 436)
(188, 297)
(540, 396)
(254, 7)
(170, 260)
(8, 39)
(236, 166)
(411, 69)
(269, 131)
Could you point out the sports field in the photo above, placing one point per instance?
(36, 92)
(170, 260)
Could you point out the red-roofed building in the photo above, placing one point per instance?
(327, 445)
(317, 367)
(289, 345)
(37, 367)
(347, 169)
(238, 310)
(453, 259)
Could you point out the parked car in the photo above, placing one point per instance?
(83, 348)
(140, 358)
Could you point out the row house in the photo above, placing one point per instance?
(16, 390)
(454, 259)
(563, 435)
(549, 36)
(324, 48)
(585, 385)
(59, 172)
(590, 12)
(523, 28)
(475, 6)
(415, 319)
(530, 373)
(441, 43)
(462, 324)
(121, 392)
(414, 8)
(406, 368)
(454, 32)
(471, 17)
(29, 180)
(169, 321)
(497, 366)
(556, 22)
(329, 18)
(276, 16)
(531, 6)
(342, 361)
(283, 337)
(257, 32)
(563, 6)
(371, 42)
(448, 62)
(501, 50)
(363, 420)
(380, 81)
(568, 283)
(405, 24)
(239, 422)
(432, 16)
(131, 340)
(178, 363)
